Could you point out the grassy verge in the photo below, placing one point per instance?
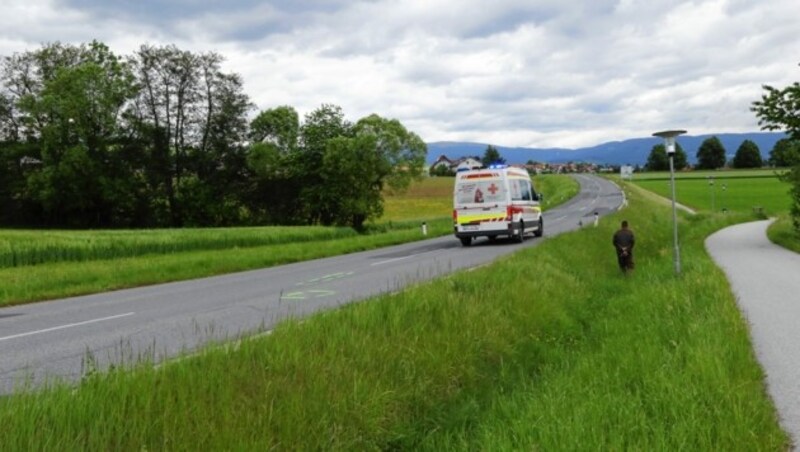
(782, 233)
(549, 349)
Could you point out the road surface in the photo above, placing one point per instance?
(54, 338)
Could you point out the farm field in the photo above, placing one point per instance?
(741, 191)
(576, 357)
(38, 265)
(432, 197)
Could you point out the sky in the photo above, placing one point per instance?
(528, 73)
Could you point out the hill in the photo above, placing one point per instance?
(633, 151)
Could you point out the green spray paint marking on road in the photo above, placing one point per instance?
(326, 278)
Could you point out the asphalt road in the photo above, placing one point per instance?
(63, 338)
(764, 278)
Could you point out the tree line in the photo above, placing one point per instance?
(162, 138)
(712, 155)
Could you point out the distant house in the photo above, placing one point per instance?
(467, 163)
(458, 164)
(442, 161)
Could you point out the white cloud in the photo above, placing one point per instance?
(510, 72)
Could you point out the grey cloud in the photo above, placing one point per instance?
(230, 20)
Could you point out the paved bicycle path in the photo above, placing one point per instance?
(766, 281)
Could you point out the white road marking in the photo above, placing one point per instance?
(55, 328)
(391, 260)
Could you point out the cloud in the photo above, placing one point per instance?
(510, 72)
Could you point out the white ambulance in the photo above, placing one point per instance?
(495, 201)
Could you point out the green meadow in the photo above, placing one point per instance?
(740, 191)
(550, 348)
(44, 264)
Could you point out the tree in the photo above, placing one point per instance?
(785, 153)
(441, 171)
(659, 161)
(381, 153)
(277, 180)
(711, 154)
(747, 156)
(778, 110)
(492, 156)
(320, 126)
(72, 112)
(192, 118)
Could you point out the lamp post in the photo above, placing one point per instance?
(669, 143)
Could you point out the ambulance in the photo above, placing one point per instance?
(495, 201)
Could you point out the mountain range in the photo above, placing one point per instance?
(633, 151)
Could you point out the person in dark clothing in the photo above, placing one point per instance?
(623, 243)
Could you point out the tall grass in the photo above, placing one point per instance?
(550, 349)
(782, 233)
(19, 248)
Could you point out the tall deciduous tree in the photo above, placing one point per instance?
(193, 118)
(658, 160)
(72, 111)
(273, 158)
(381, 153)
(747, 156)
(786, 152)
(711, 154)
(778, 110)
(320, 126)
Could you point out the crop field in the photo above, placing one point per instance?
(39, 265)
(27, 247)
(732, 191)
(548, 349)
(432, 197)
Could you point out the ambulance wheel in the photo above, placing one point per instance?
(466, 241)
(519, 238)
(540, 231)
(492, 238)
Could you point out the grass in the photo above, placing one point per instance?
(716, 174)
(741, 193)
(782, 233)
(19, 248)
(41, 265)
(548, 349)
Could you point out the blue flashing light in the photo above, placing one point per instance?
(498, 166)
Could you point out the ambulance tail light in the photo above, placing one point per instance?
(455, 216)
(511, 211)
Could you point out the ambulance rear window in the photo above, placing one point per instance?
(480, 191)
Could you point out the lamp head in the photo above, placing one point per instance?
(669, 139)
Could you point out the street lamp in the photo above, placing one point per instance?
(669, 142)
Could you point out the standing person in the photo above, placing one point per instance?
(623, 243)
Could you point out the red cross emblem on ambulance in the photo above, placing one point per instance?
(493, 189)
